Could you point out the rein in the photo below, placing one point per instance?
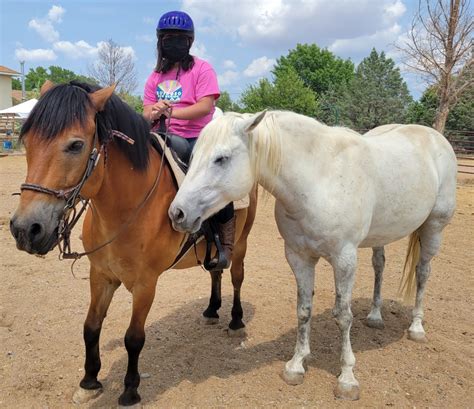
(72, 196)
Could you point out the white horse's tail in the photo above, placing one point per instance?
(407, 287)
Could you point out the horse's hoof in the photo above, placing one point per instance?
(85, 395)
(237, 333)
(209, 320)
(419, 337)
(346, 391)
(292, 378)
(134, 406)
(377, 324)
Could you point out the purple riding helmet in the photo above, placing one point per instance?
(175, 20)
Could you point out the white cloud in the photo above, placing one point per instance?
(259, 67)
(229, 64)
(55, 13)
(38, 54)
(395, 10)
(44, 26)
(45, 29)
(79, 49)
(227, 78)
(199, 50)
(281, 24)
(359, 46)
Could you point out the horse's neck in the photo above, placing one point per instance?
(123, 188)
(306, 155)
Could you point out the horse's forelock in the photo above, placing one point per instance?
(264, 141)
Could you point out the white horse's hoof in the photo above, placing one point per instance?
(209, 321)
(292, 378)
(347, 391)
(85, 395)
(419, 337)
(237, 333)
(374, 323)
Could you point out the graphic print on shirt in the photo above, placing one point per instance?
(169, 90)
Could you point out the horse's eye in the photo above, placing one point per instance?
(75, 147)
(221, 160)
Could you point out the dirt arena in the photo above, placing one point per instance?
(185, 364)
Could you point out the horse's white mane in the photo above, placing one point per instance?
(265, 141)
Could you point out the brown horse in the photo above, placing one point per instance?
(60, 135)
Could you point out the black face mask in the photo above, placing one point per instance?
(175, 48)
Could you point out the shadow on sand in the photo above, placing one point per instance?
(179, 348)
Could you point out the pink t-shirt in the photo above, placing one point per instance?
(183, 88)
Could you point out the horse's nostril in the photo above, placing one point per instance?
(35, 230)
(13, 228)
(178, 215)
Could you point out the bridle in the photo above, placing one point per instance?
(72, 196)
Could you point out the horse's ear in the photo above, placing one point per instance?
(249, 124)
(100, 97)
(46, 87)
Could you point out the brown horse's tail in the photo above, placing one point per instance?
(407, 287)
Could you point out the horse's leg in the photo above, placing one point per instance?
(374, 319)
(236, 325)
(344, 265)
(210, 314)
(303, 268)
(102, 291)
(430, 241)
(143, 295)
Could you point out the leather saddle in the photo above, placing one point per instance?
(178, 156)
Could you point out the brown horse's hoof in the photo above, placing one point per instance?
(237, 333)
(209, 321)
(377, 324)
(419, 337)
(135, 406)
(85, 395)
(292, 378)
(345, 391)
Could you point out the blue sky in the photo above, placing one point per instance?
(240, 38)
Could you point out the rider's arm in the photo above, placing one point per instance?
(201, 108)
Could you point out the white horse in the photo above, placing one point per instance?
(335, 191)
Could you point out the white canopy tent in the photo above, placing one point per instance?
(21, 110)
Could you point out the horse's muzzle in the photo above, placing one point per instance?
(181, 222)
(33, 236)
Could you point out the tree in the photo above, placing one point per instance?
(115, 65)
(36, 77)
(319, 69)
(226, 104)
(376, 95)
(136, 102)
(288, 91)
(460, 118)
(439, 47)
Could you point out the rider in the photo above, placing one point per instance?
(184, 88)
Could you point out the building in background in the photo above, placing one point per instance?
(6, 75)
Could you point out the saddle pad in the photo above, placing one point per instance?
(179, 175)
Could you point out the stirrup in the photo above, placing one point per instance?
(222, 262)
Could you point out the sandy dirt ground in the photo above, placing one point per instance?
(186, 364)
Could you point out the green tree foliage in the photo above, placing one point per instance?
(460, 118)
(319, 68)
(136, 102)
(226, 104)
(287, 92)
(36, 77)
(376, 95)
(16, 84)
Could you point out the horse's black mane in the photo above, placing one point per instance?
(68, 104)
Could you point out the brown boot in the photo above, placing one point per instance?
(226, 235)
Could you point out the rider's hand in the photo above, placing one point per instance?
(160, 108)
